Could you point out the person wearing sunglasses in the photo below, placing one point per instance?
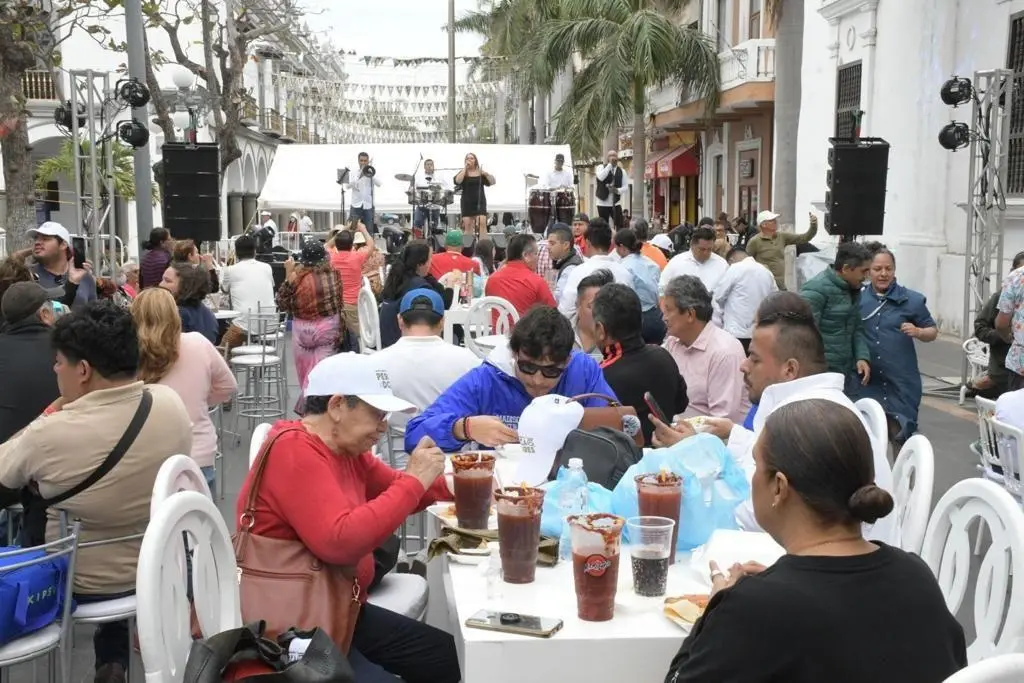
(483, 406)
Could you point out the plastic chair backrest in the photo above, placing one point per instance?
(259, 435)
(369, 319)
(878, 425)
(1001, 669)
(913, 478)
(178, 473)
(486, 314)
(999, 587)
(1009, 440)
(162, 615)
(987, 439)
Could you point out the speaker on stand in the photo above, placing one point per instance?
(191, 190)
(856, 182)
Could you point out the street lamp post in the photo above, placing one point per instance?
(451, 71)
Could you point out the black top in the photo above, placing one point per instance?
(26, 375)
(389, 330)
(878, 617)
(474, 201)
(198, 318)
(632, 368)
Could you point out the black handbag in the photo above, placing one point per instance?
(211, 660)
(385, 558)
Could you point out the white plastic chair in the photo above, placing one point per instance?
(878, 425)
(55, 638)
(976, 352)
(947, 551)
(259, 435)
(369, 319)
(913, 479)
(178, 473)
(1009, 440)
(988, 458)
(160, 583)
(1001, 669)
(406, 594)
(482, 331)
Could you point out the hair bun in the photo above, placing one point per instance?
(870, 503)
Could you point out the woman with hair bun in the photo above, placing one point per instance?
(835, 607)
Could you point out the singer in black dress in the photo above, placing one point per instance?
(472, 180)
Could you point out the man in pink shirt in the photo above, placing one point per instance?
(349, 264)
(708, 357)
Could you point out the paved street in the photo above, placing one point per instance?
(950, 428)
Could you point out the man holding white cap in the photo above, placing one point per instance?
(54, 267)
(768, 246)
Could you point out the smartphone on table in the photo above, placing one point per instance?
(655, 409)
(513, 622)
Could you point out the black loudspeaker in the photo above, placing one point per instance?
(191, 191)
(856, 179)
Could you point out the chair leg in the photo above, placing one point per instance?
(128, 675)
(5, 674)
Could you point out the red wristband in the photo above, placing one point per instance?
(465, 429)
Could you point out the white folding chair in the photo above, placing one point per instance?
(999, 588)
(178, 473)
(53, 639)
(878, 425)
(985, 449)
(259, 435)
(406, 594)
(161, 583)
(1001, 669)
(976, 352)
(489, 321)
(913, 480)
(369, 319)
(1008, 441)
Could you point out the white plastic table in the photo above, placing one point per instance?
(225, 314)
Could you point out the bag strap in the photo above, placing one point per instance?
(259, 466)
(115, 455)
(611, 401)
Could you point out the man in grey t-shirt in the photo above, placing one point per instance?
(54, 263)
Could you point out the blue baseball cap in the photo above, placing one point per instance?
(422, 299)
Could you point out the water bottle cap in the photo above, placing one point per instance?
(576, 463)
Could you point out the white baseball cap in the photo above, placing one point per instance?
(766, 216)
(355, 374)
(546, 422)
(51, 229)
(663, 241)
(264, 212)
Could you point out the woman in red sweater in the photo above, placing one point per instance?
(323, 486)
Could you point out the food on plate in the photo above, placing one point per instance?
(698, 422)
(686, 608)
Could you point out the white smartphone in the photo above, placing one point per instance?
(512, 622)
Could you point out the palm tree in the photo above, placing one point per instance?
(63, 165)
(628, 47)
(789, 31)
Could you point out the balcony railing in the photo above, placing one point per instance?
(38, 85)
(752, 61)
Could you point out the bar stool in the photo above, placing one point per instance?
(265, 392)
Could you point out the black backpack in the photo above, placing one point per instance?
(606, 454)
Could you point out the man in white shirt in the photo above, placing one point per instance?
(700, 261)
(611, 183)
(305, 223)
(361, 186)
(250, 284)
(424, 179)
(597, 248)
(1010, 408)
(421, 364)
(559, 177)
(739, 294)
(786, 364)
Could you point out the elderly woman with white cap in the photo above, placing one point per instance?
(323, 488)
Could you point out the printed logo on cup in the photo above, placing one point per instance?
(596, 565)
(528, 445)
(384, 379)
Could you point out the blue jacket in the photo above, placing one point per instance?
(493, 389)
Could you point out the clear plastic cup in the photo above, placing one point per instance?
(650, 547)
(473, 476)
(519, 511)
(596, 541)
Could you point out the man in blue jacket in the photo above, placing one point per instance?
(484, 405)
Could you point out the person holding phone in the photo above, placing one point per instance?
(55, 266)
(472, 179)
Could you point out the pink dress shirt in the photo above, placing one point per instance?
(711, 368)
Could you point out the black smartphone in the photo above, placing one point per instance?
(511, 622)
(78, 251)
(654, 407)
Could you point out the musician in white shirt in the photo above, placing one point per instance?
(739, 293)
(559, 177)
(611, 183)
(361, 186)
(424, 179)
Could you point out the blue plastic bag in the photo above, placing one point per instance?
(599, 499)
(713, 485)
(31, 598)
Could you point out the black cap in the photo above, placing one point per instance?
(559, 157)
(21, 300)
(313, 253)
(581, 218)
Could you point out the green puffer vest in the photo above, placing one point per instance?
(837, 313)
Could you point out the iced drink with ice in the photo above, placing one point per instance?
(519, 509)
(473, 475)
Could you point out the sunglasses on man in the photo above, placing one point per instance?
(548, 371)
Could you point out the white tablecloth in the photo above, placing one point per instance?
(225, 314)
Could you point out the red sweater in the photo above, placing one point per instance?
(340, 507)
(447, 261)
(520, 286)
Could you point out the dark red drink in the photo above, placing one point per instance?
(596, 539)
(660, 495)
(473, 475)
(519, 511)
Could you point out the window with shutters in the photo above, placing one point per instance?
(755, 20)
(847, 99)
(721, 25)
(1015, 62)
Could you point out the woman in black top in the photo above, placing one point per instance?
(836, 607)
(411, 271)
(472, 180)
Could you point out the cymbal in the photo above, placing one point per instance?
(532, 176)
(404, 177)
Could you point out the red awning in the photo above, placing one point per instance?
(651, 165)
(682, 161)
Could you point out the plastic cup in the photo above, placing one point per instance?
(661, 495)
(596, 540)
(650, 546)
(519, 510)
(473, 476)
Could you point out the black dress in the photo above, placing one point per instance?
(474, 201)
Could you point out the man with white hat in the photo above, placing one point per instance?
(768, 246)
(54, 266)
(266, 221)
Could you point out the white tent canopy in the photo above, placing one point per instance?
(303, 176)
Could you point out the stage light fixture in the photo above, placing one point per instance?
(132, 92)
(62, 116)
(957, 91)
(955, 135)
(132, 133)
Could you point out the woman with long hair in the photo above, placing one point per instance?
(311, 295)
(190, 284)
(410, 271)
(156, 259)
(186, 362)
(483, 253)
(472, 179)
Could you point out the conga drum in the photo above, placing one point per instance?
(540, 210)
(565, 206)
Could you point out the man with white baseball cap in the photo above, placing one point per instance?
(54, 266)
(768, 246)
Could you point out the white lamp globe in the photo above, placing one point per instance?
(182, 78)
(181, 119)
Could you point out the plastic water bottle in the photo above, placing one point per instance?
(492, 574)
(572, 500)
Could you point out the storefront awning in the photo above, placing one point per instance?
(651, 165)
(682, 161)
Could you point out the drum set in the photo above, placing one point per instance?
(550, 205)
(431, 199)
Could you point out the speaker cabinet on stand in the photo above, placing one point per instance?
(856, 182)
(191, 191)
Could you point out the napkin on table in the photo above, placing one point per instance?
(454, 540)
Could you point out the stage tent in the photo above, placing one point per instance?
(303, 176)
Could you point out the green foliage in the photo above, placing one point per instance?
(62, 165)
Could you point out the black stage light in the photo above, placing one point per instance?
(955, 135)
(62, 115)
(132, 133)
(957, 91)
(132, 92)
